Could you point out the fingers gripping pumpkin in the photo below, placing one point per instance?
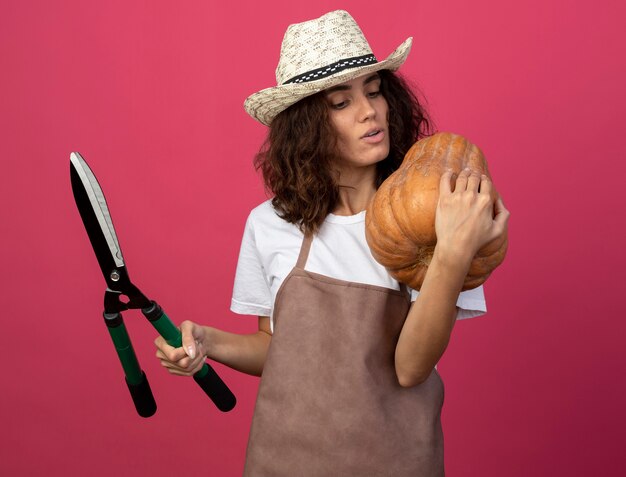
(400, 219)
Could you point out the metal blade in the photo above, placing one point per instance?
(95, 214)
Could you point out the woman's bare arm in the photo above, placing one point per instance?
(245, 353)
(431, 318)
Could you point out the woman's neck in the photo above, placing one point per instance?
(356, 189)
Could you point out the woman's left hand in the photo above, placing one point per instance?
(189, 358)
(467, 218)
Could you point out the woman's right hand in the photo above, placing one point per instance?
(467, 217)
(189, 358)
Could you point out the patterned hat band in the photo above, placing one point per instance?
(333, 68)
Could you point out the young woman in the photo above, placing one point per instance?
(347, 354)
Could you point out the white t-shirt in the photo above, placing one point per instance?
(270, 248)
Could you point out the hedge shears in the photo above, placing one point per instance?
(121, 294)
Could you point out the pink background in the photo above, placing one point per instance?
(151, 94)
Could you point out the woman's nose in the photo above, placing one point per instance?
(366, 109)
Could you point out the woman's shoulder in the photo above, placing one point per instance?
(264, 217)
(263, 211)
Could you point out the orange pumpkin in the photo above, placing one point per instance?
(400, 219)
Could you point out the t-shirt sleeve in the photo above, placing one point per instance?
(471, 303)
(251, 291)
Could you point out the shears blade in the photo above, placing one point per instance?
(96, 217)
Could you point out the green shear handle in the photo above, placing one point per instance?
(206, 378)
(136, 379)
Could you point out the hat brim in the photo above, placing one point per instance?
(267, 103)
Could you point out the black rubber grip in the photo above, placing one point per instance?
(216, 389)
(142, 397)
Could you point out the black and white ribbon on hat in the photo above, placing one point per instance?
(333, 68)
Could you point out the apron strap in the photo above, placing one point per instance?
(405, 290)
(304, 251)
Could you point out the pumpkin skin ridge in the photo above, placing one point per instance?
(408, 201)
(412, 167)
(392, 239)
(384, 201)
(492, 247)
(421, 262)
(474, 283)
(412, 278)
(397, 200)
(495, 258)
(394, 221)
(379, 250)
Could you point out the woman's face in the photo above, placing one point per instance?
(358, 111)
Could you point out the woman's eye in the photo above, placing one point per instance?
(373, 94)
(340, 105)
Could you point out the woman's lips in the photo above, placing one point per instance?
(375, 139)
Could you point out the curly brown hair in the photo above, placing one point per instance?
(299, 152)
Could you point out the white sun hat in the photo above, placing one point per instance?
(316, 55)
